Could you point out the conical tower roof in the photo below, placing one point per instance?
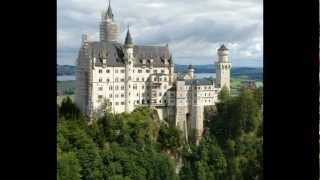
(223, 47)
(128, 40)
(109, 13)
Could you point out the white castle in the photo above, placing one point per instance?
(122, 77)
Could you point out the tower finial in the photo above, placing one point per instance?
(109, 13)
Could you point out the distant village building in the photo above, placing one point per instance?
(127, 76)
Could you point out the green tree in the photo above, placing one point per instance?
(69, 110)
(68, 167)
(169, 137)
(224, 94)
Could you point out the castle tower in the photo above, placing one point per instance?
(190, 71)
(108, 28)
(128, 48)
(223, 66)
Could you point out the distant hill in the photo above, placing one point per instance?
(253, 73)
(65, 70)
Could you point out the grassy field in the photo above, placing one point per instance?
(66, 87)
(236, 84)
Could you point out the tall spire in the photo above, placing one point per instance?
(109, 13)
(128, 40)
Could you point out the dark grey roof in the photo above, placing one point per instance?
(128, 40)
(223, 47)
(198, 82)
(114, 53)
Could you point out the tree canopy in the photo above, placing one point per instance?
(139, 146)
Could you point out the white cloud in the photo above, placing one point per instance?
(193, 29)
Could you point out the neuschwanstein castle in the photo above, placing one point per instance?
(127, 76)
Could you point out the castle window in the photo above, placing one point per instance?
(142, 87)
(165, 78)
(116, 88)
(154, 79)
(110, 87)
(122, 80)
(122, 87)
(138, 102)
(122, 71)
(100, 71)
(139, 71)
(107, 71)
(100, 79)
(122, 95)
(137, 79)
(117, 103)
(116, 71)
(160, 94)
(137, 94)
(160, 101)
(116, 95)
(147, 71)
(162, 71)
(110, 95)
(108, 80)
(100, 88)
(155, 71)
(142, 79)
(122, 103)
(160, 79)
(100, 97)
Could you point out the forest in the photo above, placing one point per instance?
(130, 146)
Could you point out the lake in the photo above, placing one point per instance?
(66, 78)
(197, 75)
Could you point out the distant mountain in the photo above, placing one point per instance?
(63, 70)
(254, 73)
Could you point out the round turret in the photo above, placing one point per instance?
(190, 71)
(223, 51)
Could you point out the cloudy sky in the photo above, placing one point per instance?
(194, 29)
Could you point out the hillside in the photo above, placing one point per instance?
(63, 70)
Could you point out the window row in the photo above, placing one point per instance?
(155, 71)
(139, 71)
(108, 71)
